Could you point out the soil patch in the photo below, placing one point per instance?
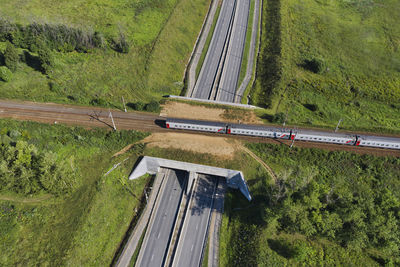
(218, 146)
(198, 112)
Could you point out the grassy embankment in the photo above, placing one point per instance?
(84, 227)
(246, 50)
(161, 35)
(321, 61)
(325, 208)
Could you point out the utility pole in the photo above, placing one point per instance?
(291, 145)
(286, 115)
(292, 136)
(112, 119)
(337, 126)
(123, 101)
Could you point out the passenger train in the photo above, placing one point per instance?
(284, 133)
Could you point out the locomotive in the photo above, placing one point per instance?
(284, 133)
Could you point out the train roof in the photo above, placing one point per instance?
(326, 134)
(257, 127)
(380, 139)
(197, 122)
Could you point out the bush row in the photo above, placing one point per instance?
(57, 37)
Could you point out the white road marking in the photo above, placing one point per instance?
(192, 248)
(152, 256)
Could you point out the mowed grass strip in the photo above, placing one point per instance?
(340, 57)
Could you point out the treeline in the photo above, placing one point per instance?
(26, 170)
(351, 200)
(269, 68)
(58, 37)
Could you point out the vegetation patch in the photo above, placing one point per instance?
(339, 55)
(56, 205)
(325, 208)
(138, 51)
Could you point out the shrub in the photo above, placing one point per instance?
(5, 74)
(278, 117)
(137, 106)
(315, 65)
(153, 106)
(11, 57)
(311, 107)
(99, 102)
(121, 45)
(46, 59)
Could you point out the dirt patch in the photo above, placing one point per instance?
(198, 112)
(217, 146)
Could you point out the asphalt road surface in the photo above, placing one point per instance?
(157, 239)
(194, 232)
(231, 71)
(208, 72)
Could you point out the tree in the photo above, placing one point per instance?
(5, 74)
(46, 59)
(11, 56)
(153, 106)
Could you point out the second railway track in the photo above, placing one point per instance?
(86, 117)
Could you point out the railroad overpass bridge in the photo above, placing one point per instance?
(151, 165)
(183, 213)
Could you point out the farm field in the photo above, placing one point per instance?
(81, 216)
(159, 37)
(321, 61)
(319, 208)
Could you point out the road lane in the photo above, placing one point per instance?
(193, 236)
(208, 72)
(231, 71)
(155, 245)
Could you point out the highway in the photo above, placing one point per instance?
(231, 71)
(221, 67)
(194, 233)
(214, 56)
(156, 242)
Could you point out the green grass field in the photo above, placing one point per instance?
(161, 35)
(325, 209)
(82, 228)
(341, 58)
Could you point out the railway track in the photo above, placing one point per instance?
(99, 117)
